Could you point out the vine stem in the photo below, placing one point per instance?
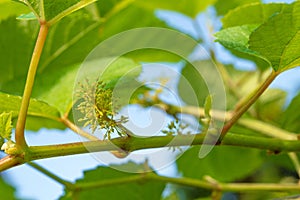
(130, 144)
(76, 129)
(20, 127)
(233, 187)
(245, 104)
(67, 184)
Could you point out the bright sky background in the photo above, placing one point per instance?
(33, 185)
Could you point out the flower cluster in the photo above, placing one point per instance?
(97, 107)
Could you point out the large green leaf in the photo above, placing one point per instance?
(132, 191)
(14, 41)
(46, 115)
(223, 7)
(222, 163)
(68, 43)
(10, 8)
(255, 13)
(275, 41)
(6, 190)
(52, 11)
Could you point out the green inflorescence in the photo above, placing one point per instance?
(97, 108)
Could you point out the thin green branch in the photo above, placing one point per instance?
(247, 103)
(130, 144)
(76, 129)
(232, 187)
(253, 124)
(67, 184)
(20, 127)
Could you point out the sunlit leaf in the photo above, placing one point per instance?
(275, 41)
(9, 8)
(223, 7)
(255, 13)
(223, 163)
(46, 114)
(132, 191)
(188, 7)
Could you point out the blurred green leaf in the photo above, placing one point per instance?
(37, 110)
(192, 87)
(120, 75)
(290, 118)
(223, 7)
(9, 8)
(255, 13)
(6, 125)
(200, 79)
(222, 163)
(15, 40)
(6, 190)
(270, 105)
(132, 191)
(188, 7)
(52, 11)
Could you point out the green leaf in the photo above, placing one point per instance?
(222, 163)
(11, 69)
(275, 41)
(223, 7)
(120, 75)
(9, 8)
(68, 43)
(188, 7)
(236, 39)
(6, 125)
(191, 82)
(7, 191)
(270, 105)
(198, 80)
(52, 11)
(290, 118)
(46, 114)
(57, 87)
(147, 190)
(255, 13)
